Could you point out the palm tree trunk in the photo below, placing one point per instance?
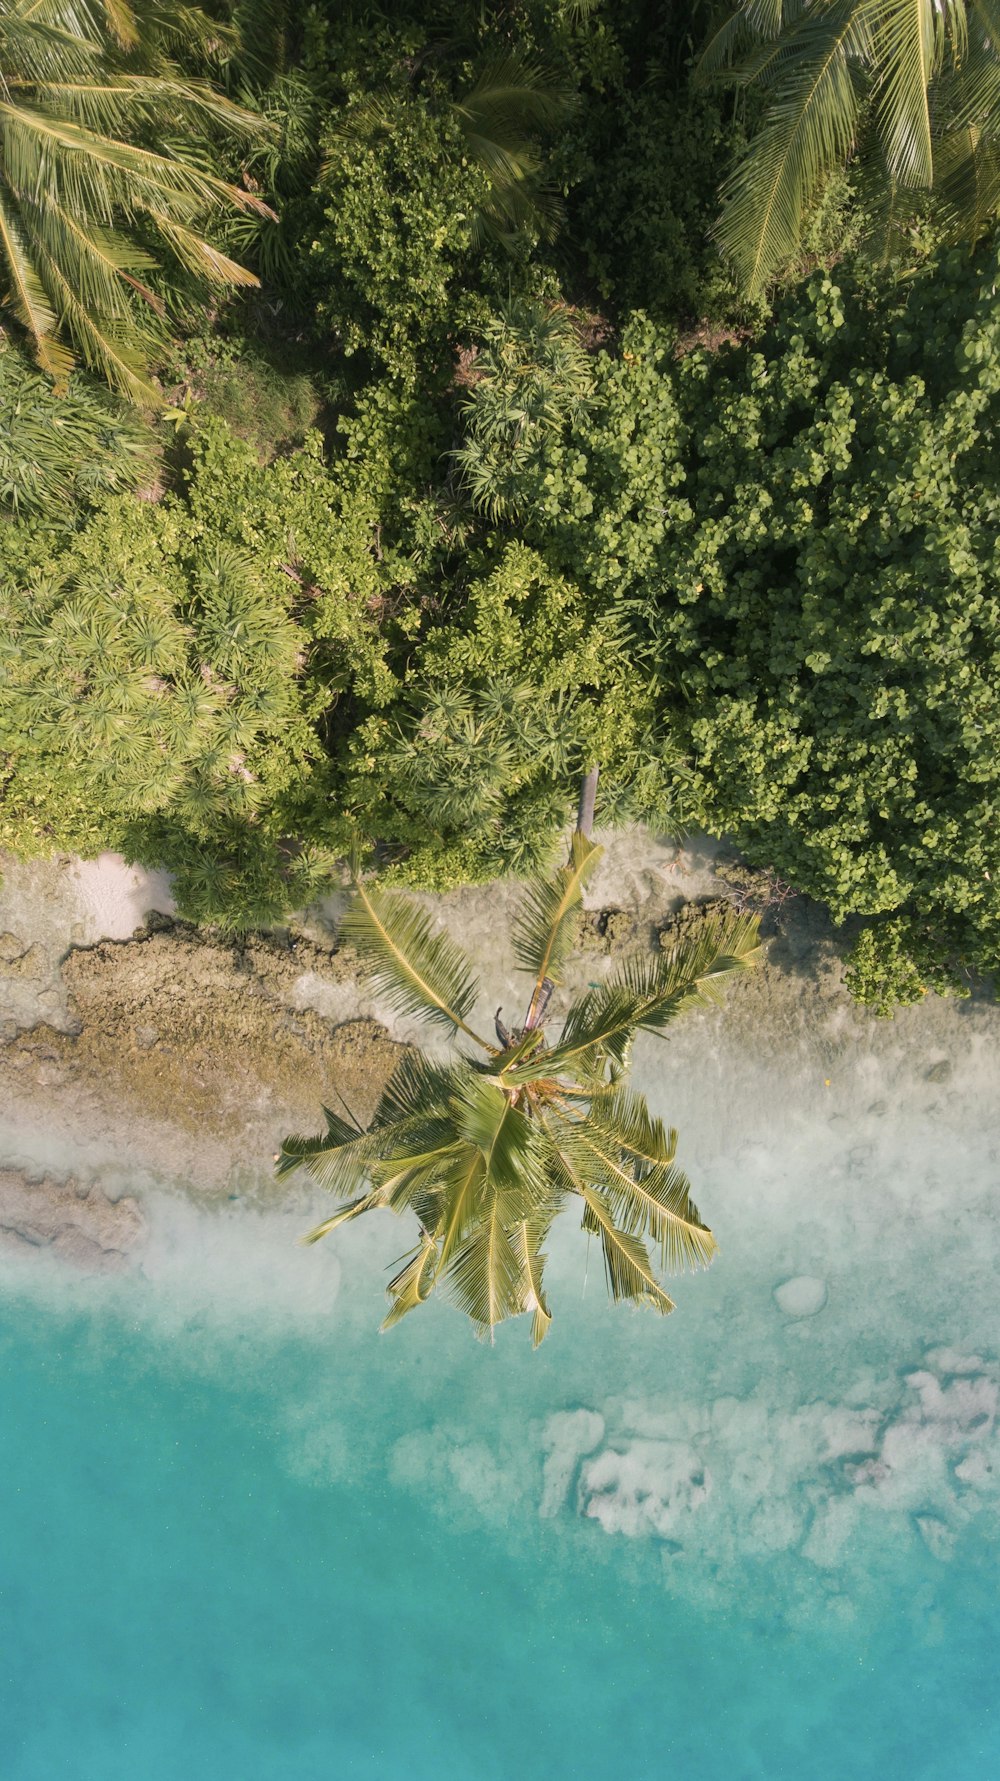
(585, 811)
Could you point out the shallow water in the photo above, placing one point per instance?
(241, 1534)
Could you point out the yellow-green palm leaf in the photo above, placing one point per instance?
(485, 1153)
(86, 89)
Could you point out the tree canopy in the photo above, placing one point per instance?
(499, 471)
(908, 88)
(485, 1151)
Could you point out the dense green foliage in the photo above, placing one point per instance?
(486, 1151)
(803, 533)
(60, 452)
(452, 509)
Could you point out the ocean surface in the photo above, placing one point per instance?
(242, 1535)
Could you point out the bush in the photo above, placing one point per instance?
(895, 964)
(803, 532)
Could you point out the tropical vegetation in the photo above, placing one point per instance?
(907, 92)
(441, 451)
(105, 151)
(484, 1151)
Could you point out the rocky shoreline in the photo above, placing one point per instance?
(138, 1052)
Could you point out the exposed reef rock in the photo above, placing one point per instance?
(197, 1028)
(79, 1224)
(609, 931)
(18, 959)
(216, 1039)
(741, 1476)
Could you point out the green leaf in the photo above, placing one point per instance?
(415, 969)
(484, 1278)
(645, 995)
(413, 1284)
(545, 928)
(809, 128)
(627, 1265)
(527, 1238)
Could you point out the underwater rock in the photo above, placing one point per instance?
(82, 1225)
(802, 1296)
(650, 1487)
(936, 1535)
(569, 1434)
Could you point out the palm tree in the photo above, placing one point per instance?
(484, 1151)
(911, 88)
(513, 102)
(89, 100)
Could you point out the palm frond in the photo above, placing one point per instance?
(624, 1115)
(810, 127)
(745, 26)
(512, 95)
(545, 927)
(654, 1202)
(344, 1215)
(121, 22)
(417, 971)
(413, 1284)
(627, 1266)
(908, 45)
(459, 1184)
(87, 98)
(29, 299)
(514, 1159)
(527, 1239)
(484, 1278)
(986, 14)
(968, 181)
(416, 1087)
(645, 995)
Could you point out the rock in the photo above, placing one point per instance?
(649, 1487)
(182, 1026)
(690, 921)
(83, 1226)
(609, 931)
(936, 1535)
(18, 960)
(802, 1296)
(568, 1434)
(939, 1072)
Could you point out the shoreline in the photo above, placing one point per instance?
(140, 1055)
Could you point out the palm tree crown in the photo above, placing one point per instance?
(912, 87)
(85, 89)
(486, 1150)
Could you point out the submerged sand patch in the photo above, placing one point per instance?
(76, 1222)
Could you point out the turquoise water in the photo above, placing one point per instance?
(314, 1553)
(242, 1535)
